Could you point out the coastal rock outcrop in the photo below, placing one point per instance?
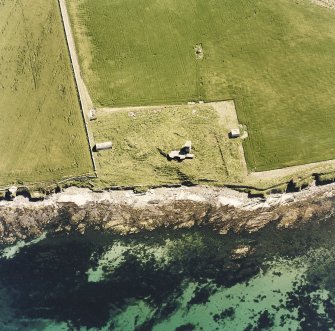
(125, 212)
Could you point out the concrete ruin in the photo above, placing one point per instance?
(183, 153)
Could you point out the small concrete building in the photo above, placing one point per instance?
(234, 133)
(92, 115)
(103, 146)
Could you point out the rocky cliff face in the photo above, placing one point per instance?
(125, 212)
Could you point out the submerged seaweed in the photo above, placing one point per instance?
(53, 279)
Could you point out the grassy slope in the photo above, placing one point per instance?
(275, 58)
(42, 136)
(135, 159)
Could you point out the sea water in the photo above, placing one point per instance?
(172, 280)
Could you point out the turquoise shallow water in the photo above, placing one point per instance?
(164, 280)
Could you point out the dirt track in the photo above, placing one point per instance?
(85, 99)
(83, 92)
(325, 3)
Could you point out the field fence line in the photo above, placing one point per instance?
(82, 92)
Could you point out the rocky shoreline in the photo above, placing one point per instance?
(126, 212)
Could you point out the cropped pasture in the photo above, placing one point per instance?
(42, 135)
(274, 58)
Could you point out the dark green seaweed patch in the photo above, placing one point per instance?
(49, 279)
(265, 321)
(201, 295)
(321, 269)
(306, 301)
(228, 313)
(186, 327)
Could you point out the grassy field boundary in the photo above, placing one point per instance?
(44, 188)
(139, 133)
(83, 96)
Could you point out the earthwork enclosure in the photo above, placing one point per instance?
(42, 135)
(274, 58)
(140, 136)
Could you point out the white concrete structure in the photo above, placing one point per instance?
(103, 146)
(234, 133)
(183, 153)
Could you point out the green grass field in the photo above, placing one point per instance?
(140, 136)
(274, 58)
(42, 135)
